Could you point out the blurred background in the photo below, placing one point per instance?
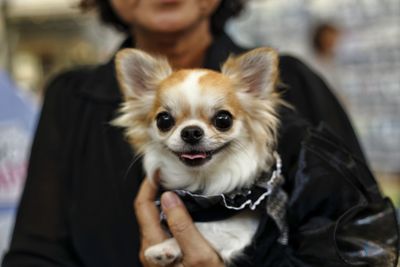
(353, 44)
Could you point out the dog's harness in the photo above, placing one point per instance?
(265, 194)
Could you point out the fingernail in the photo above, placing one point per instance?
(170, 200)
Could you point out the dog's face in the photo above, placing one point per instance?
(196, 116)
(200, 118)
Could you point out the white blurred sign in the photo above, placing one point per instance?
(22, 8)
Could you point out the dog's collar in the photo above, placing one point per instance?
(205, 208)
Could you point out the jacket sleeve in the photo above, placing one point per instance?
(336, 212)
(40, 236)
(336, 215)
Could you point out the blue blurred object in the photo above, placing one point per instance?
(18, 114)
(15, 106)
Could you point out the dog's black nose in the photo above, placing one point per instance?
(192, 134)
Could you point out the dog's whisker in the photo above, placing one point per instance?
(235, 144)
(134, 160)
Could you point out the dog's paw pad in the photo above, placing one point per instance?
(162, 255)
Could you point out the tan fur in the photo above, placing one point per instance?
(167, 87)
(174, 79)
(215, 82)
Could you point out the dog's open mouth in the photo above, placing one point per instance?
(195, 158)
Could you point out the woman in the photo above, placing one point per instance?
(76, 209)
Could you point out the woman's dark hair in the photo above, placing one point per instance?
(226, 10)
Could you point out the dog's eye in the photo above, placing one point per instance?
(165, 121)
(223, 120)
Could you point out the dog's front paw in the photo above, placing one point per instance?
(163, 253)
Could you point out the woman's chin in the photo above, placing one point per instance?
(168, 24)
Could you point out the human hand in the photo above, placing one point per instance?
(148, 218)
(196, 251)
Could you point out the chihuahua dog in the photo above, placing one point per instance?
(202, 131)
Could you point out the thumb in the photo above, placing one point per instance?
(181, 224)
(196, 250)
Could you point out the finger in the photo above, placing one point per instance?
(147, 213)
(182, 227)
(148, 190)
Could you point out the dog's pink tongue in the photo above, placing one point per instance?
(201, 155)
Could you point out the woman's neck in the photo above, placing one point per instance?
(183, 49)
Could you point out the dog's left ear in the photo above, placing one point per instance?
(139, 73)
(255, 71)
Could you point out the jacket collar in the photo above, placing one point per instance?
(102, 84)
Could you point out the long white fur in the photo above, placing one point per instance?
(253, 137)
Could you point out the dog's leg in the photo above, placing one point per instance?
(164, 253)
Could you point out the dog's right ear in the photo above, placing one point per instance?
(139, 73)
